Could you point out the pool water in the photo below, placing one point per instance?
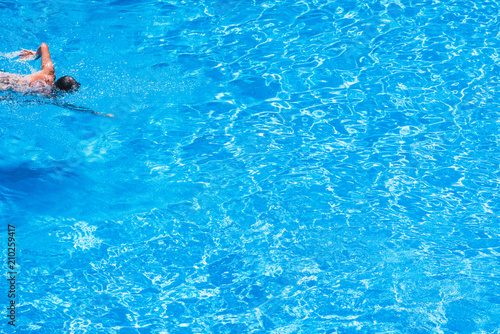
(275, 167)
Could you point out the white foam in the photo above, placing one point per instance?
(10, 55)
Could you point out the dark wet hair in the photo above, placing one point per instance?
(67, 84)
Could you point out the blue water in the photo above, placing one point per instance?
(275, 167)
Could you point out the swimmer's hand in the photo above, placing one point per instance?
(27, 55)
(101, 114)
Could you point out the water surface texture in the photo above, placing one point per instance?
(276, 167)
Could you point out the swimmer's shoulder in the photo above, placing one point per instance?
(40, 79)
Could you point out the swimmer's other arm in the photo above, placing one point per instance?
(43, 51)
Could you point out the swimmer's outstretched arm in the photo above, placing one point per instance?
(77, 108)
(55, 103)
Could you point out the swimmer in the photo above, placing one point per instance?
(43, 81)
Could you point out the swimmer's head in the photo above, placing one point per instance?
(67, 84)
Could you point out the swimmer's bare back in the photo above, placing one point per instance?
(9, 81)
